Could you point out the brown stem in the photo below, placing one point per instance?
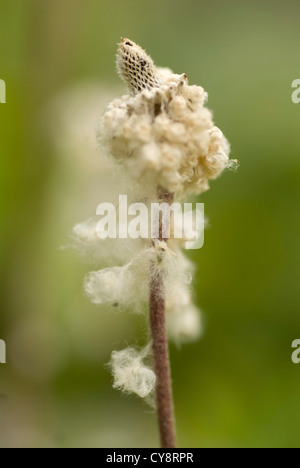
(161, 360)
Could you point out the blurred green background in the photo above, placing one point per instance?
(237, 386)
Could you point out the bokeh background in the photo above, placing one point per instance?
(237, 386)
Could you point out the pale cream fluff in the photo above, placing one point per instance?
(130, 373)
(164, 133)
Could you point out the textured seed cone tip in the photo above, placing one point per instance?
(135, 67)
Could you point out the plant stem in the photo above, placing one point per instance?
(161, 360)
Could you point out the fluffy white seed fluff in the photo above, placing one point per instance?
(184, 322)
(127, 287)
(183, 317)
(107, 252)
(130, 373)
(164, 132)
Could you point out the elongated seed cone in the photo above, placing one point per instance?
(136, 68)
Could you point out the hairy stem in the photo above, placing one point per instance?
(160, 350)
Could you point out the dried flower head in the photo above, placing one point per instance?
(162, 132)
